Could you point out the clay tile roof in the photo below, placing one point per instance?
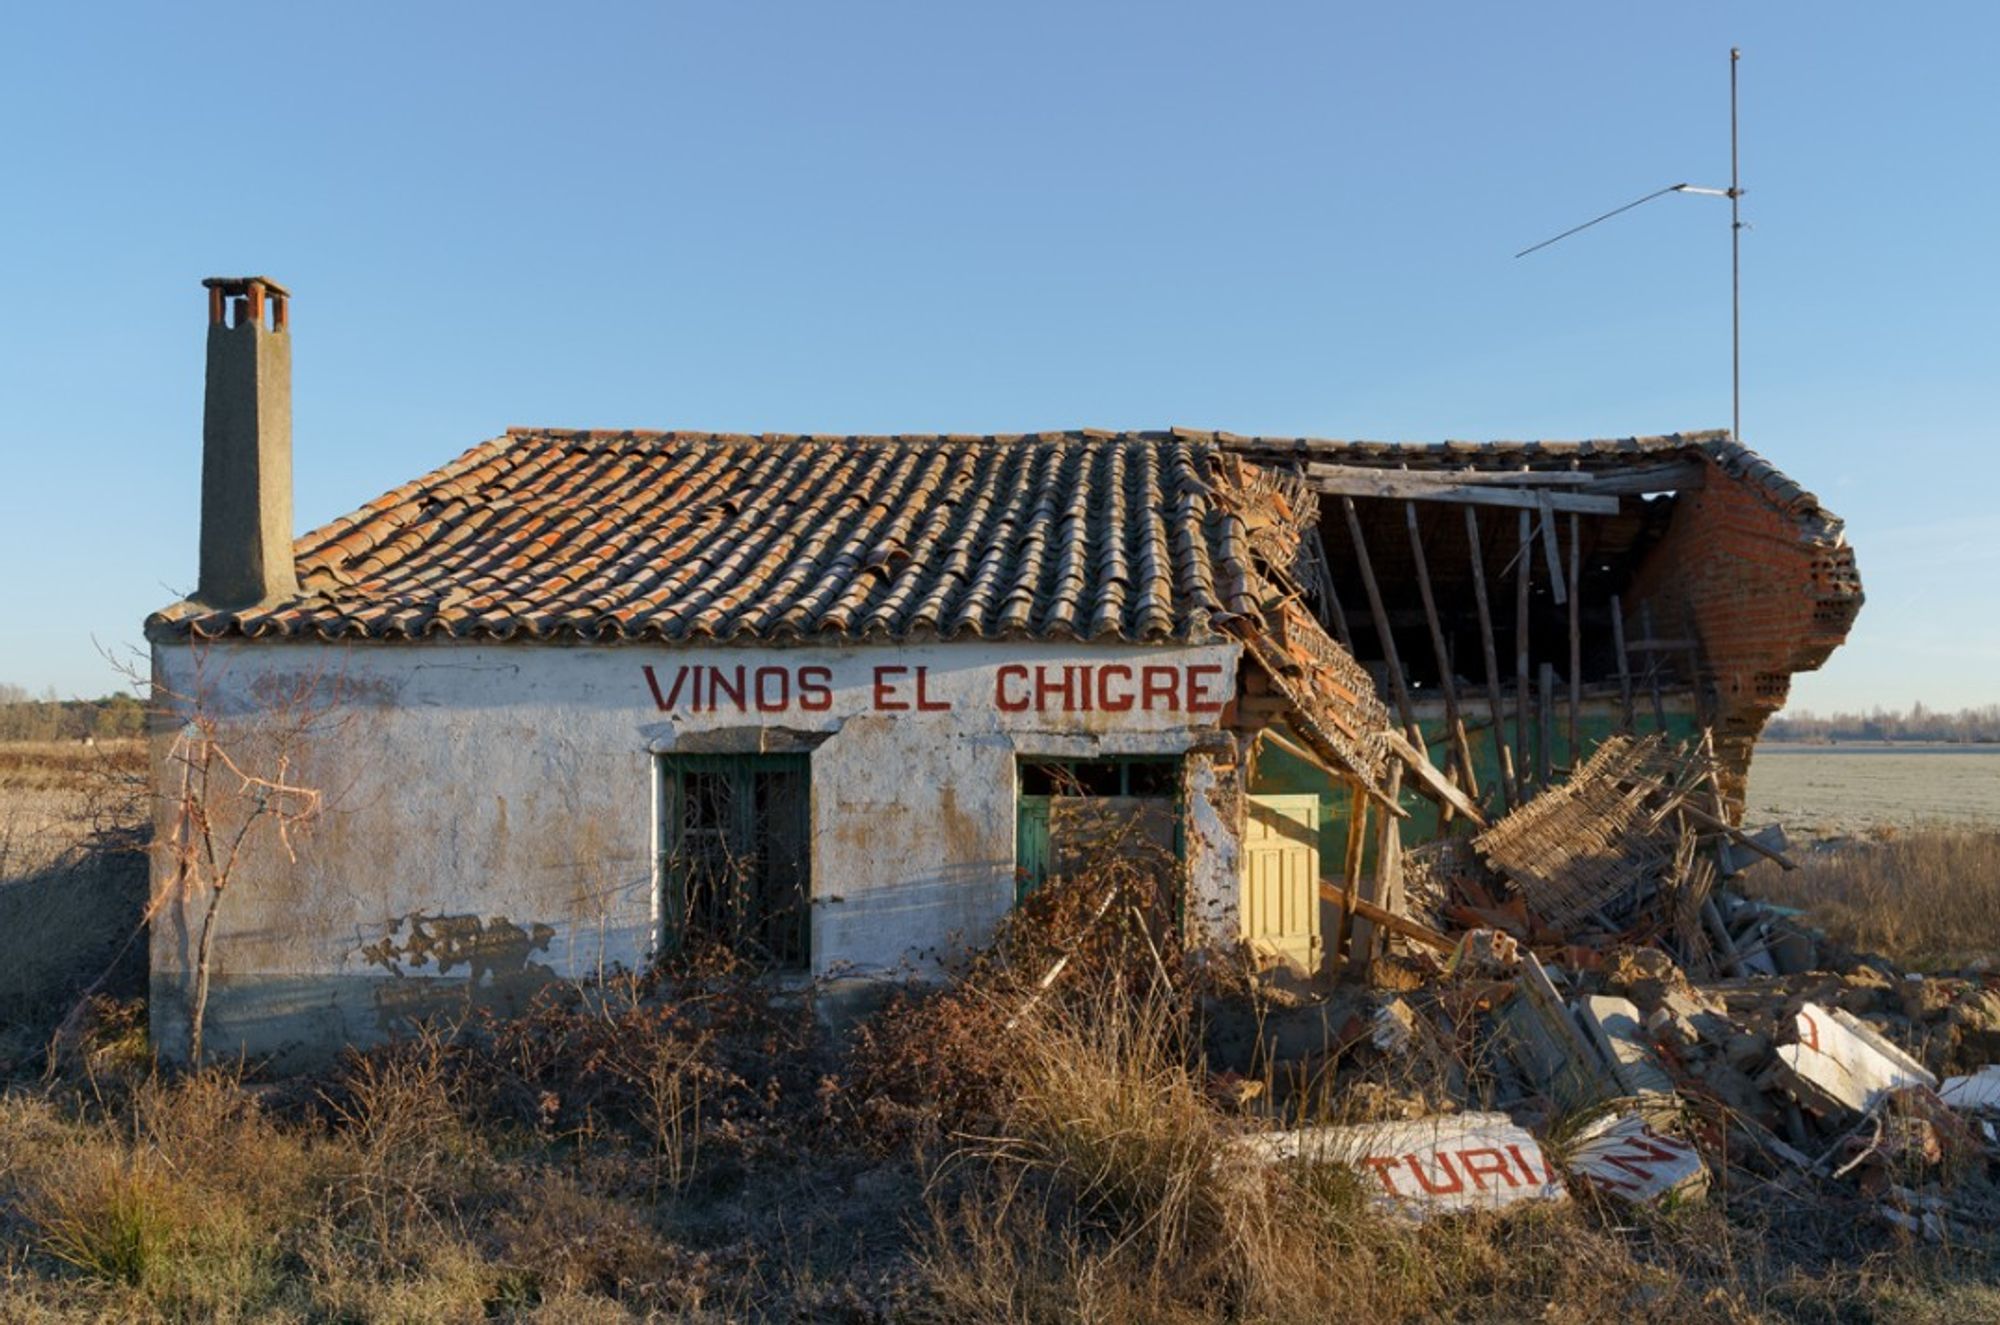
(556, 534)
(546, 534)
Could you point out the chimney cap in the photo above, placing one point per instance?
(234, 285)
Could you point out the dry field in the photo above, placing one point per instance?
(1852, 789)
(689, 1149)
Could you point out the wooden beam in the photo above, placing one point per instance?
(1638, 480)
(1524, 567)
(1433, 783)
(1653, 668)
(1572, 747)
(1350, 868)
(1387, 884)
(1545, 719)
(1455, 477)
(1714, 822)
(1350, 904)
(1400, 485)
(1454, 723)
(1509, 793)
(1557, 585)
(1300, 750)
(1382, 628)
(1624, 659)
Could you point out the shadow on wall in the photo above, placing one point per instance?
(446, 967)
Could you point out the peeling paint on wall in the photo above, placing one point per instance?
(483, 784)
(488, 949)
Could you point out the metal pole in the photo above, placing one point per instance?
(1735, 268)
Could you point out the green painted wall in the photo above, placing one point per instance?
(1279, 773)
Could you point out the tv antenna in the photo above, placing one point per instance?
(1735, 194)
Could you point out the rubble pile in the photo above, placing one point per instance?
(1579, 992)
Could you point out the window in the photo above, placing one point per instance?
(1071, 810)
(735, 855)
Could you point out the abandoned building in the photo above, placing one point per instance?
(576, 698)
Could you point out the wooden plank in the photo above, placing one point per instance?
(1524, 567)
(1331, 610)
(1388, 861)
(1389, 655)
(1433, 783)
(1299, 750)
(1653, 669)
(1388, 920)
(1557, 586)
(1399, 485)
(1573, 748)
(1350, 867)
(1509, 794)
(1451, 477)
(1624, 660)
(1638, 480)
(1454, 724)
(1545, 718)
(1723, 826)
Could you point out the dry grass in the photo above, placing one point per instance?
(683, 1148)
(1926, 897)
(1094, 1185)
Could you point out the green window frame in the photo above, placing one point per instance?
(735, 856)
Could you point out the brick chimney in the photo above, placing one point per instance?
(246, 446)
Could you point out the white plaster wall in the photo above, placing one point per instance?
(511, 787)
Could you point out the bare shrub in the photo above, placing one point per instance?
(937, 1060)
(568, 1241)
(408, 1158)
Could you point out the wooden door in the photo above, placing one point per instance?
(1280, 909)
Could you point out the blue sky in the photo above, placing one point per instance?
(867, 217)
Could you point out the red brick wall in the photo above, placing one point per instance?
(1767, 592)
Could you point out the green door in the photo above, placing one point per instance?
(736, 855)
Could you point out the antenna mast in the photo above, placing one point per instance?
(1735, 268)
(1735, 194)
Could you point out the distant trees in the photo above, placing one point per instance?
(26, 718)
(1918, 723)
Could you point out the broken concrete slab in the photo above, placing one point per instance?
(1613, 1024)
(1428, 1166)
(1551, 1050)
(1842, 1064)
(1625, 1156)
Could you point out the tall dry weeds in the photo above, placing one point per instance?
(1926, 896)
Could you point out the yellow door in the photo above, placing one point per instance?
(1281, 880)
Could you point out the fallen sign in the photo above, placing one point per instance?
(1979, 1091)
(1841, 1063)
(1623, 1155)
(1426, 1166)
